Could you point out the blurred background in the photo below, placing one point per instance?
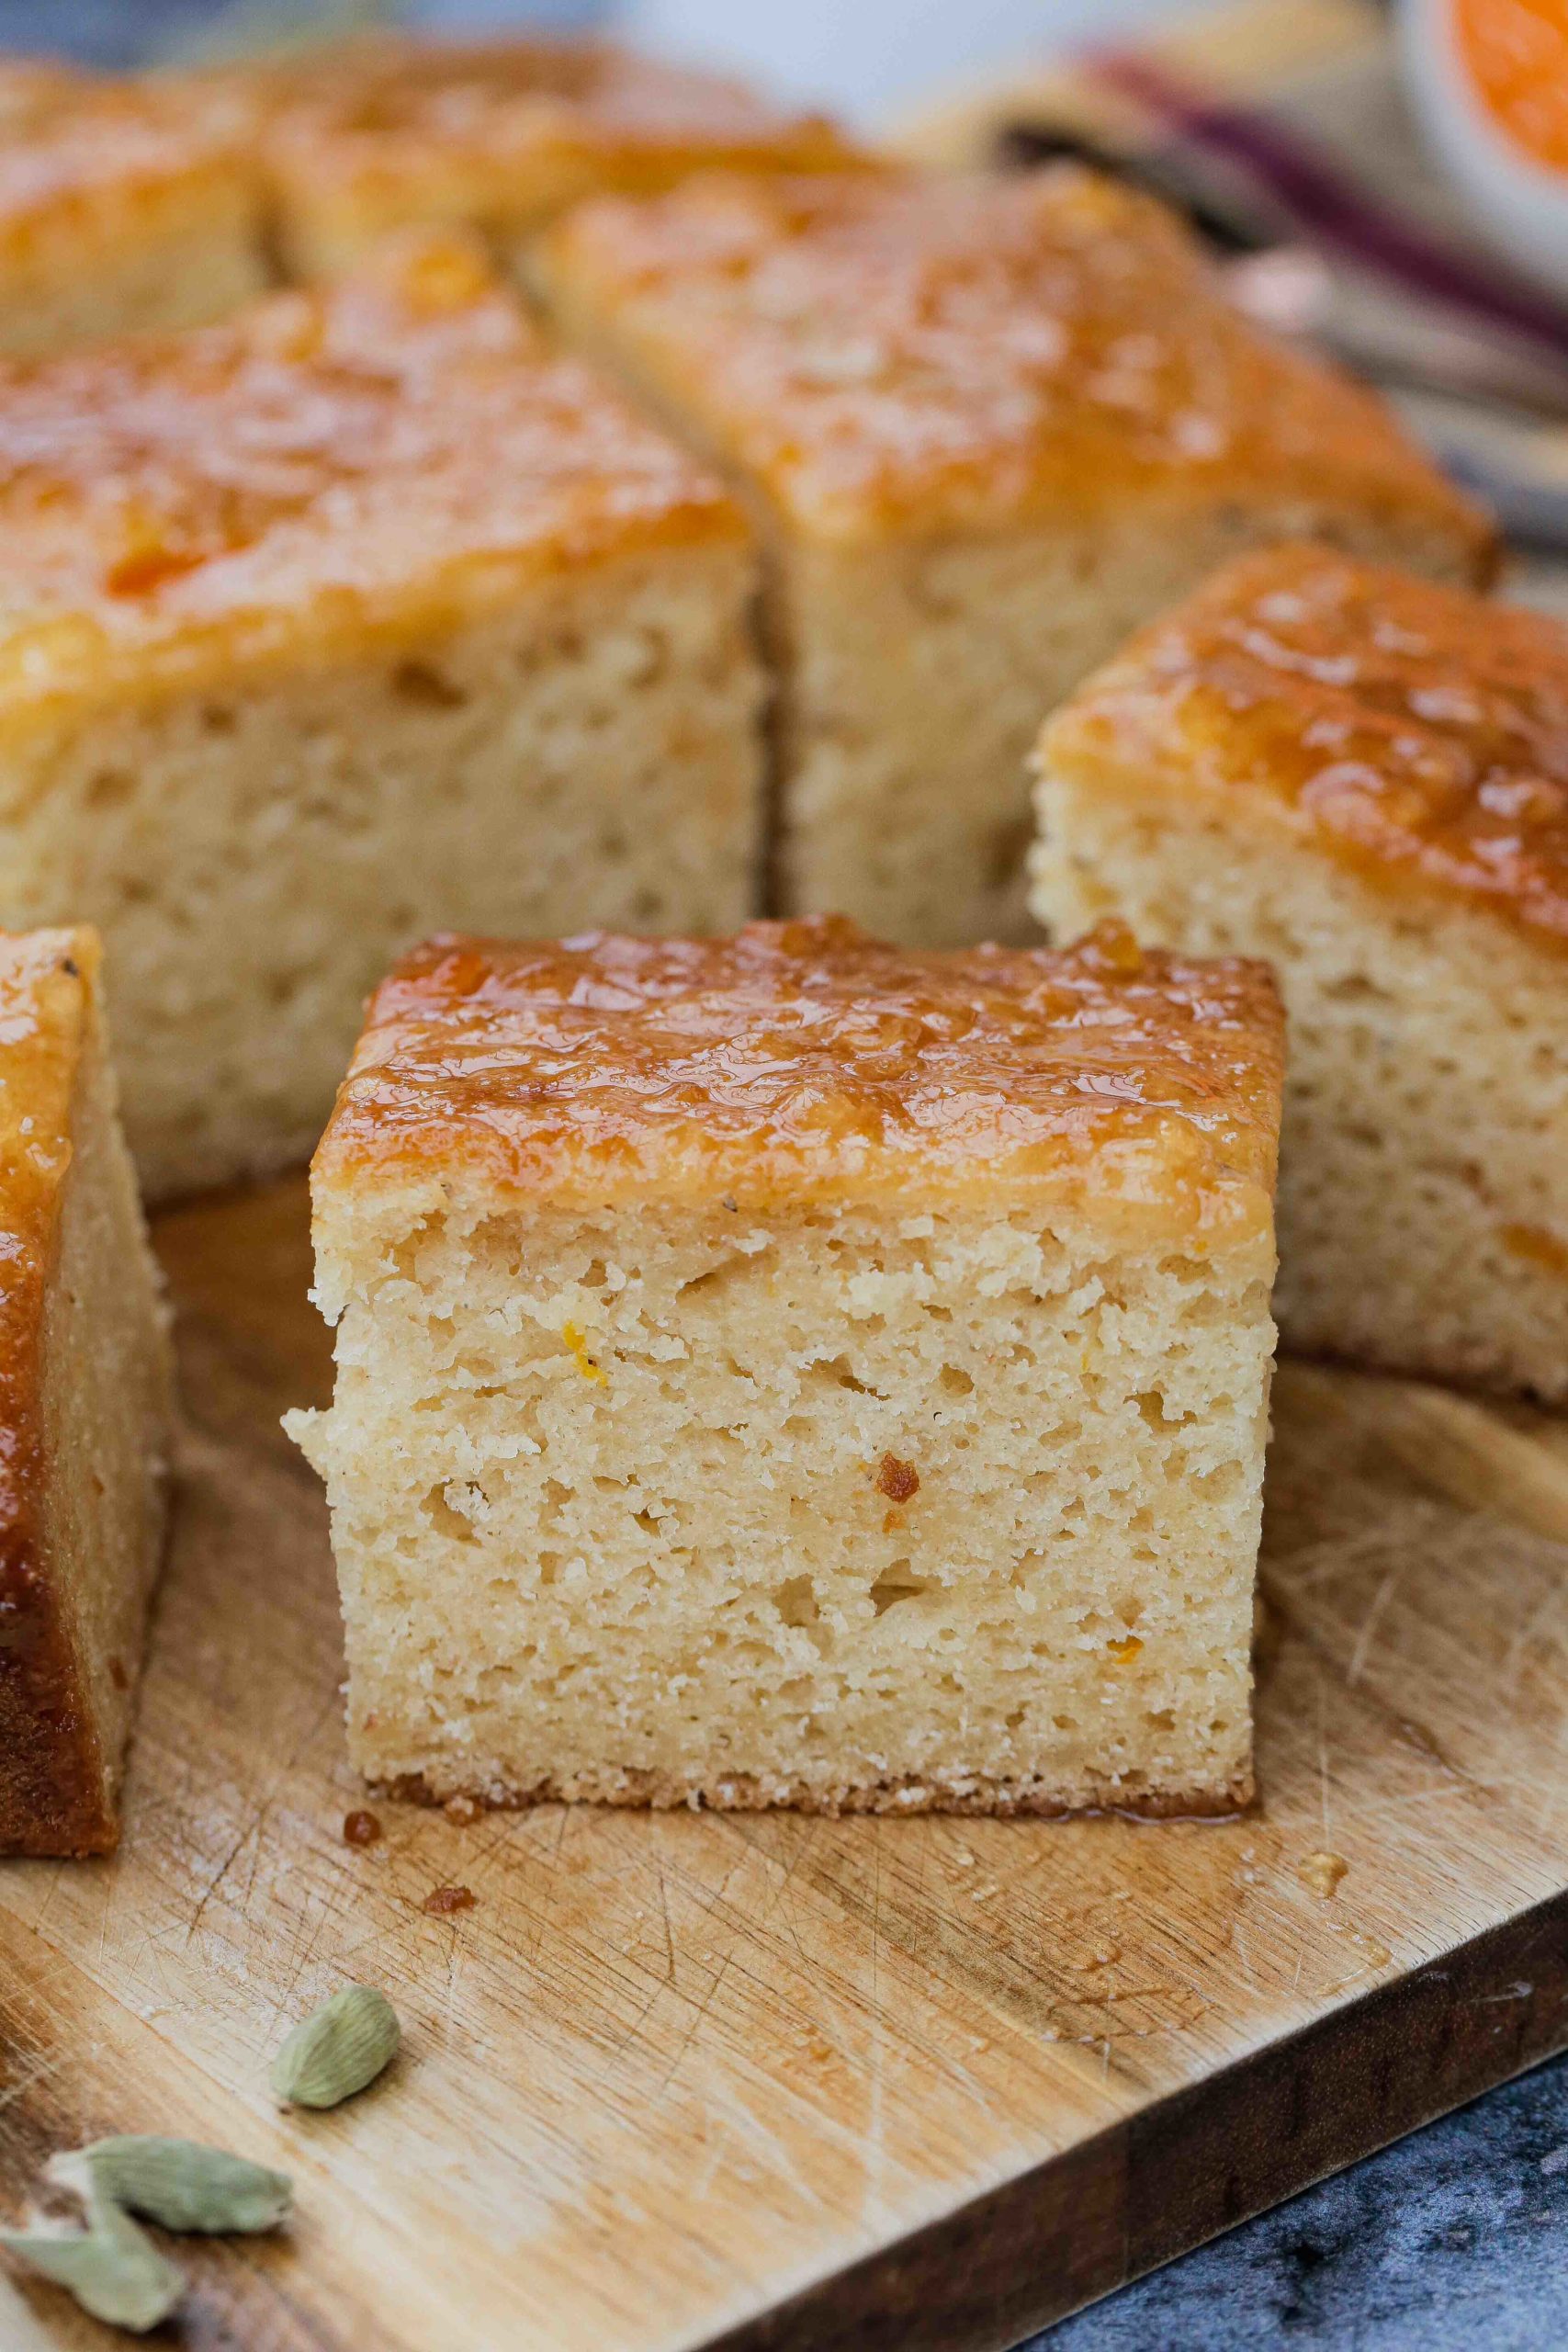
(860, 56)
(1390, 181)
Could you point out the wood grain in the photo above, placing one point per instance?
(781, 2081)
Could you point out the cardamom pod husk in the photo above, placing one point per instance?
(179, 2183)
(112, 2267)
(338, 2050)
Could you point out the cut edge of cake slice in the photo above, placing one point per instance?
(86, 1405)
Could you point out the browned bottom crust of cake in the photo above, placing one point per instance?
(746, 1792)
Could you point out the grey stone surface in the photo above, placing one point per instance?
(1455, 2240)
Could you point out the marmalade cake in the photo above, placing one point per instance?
(1364, 778)
(119, 214)
(989, 426)
(84, 1406)
(495, 136)
(361, 614)
(789, 1370)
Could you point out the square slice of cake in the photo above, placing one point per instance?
(989, 426)
(359, 616)
(1364, 778)
(119, 214)
(790, 1370)
(495, 136)
(84, 1407)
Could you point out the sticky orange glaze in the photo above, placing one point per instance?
(1417, 732)
(501, 132)
(1515, 53)
(946, 350)
(805, 1060)
(394, 451)
(51, 1792)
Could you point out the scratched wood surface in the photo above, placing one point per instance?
(680, 2080)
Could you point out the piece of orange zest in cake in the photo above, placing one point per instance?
(1536, 1244)
(1126, 1650)
(898, 1480)
(587, 1365)
(145, 569)
(1114, 949)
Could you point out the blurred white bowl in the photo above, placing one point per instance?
(1520, 199)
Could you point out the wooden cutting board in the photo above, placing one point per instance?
(777, 2081)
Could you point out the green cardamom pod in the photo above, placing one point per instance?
(338, 2050)
(180, 2184)
(112, 2267)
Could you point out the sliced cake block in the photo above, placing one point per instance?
(118, 213)
(84, 1406)
(1364, 778)
(496, 136)
(990, 425)
(788, 1370)
(361, 614)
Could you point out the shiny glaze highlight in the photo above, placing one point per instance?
(1414, 732)
(940, 351)
(805, 1060)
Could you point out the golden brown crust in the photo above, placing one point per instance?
(920, 354)
(501, 135)
(51, 1773)
(804, 1060)
(1411, 732)
(744, 1792)
(376, 461)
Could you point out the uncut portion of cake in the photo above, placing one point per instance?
(1364, 778)
(788, 1370)
(495, 136)
(990, 425)
(84, 1406)
(119, 214)
(359, 616)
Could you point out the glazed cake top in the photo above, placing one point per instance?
(326, 471)
(508, 129)
(887, 353)
(1415, 733)
(76, 150)
(803, 1061)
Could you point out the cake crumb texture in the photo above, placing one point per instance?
(989, 428)
(363, 615)
(1363, 779)
(791, 1371)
